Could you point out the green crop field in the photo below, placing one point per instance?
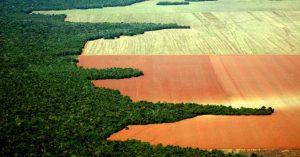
(216, 27)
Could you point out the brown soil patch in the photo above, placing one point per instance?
(227, 79)
(252, 81)
(279, 131)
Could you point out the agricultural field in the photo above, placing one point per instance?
(133, 78)
(232, 80)
(207, 62)
(216, 27)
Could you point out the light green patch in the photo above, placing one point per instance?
(217, 27)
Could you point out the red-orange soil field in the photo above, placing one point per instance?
(251, 81)
(279, 131)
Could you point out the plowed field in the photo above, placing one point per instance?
(279, 131)
(237, 80)
(217, 27)
(233, 79)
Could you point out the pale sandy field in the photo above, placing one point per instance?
(217, 27)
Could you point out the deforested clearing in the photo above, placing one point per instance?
(279, 131)
(51, 107)
(235, 80)
(217, 27)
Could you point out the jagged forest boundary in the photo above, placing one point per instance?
(50, 107)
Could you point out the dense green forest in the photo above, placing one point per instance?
(29, 5)
(172, 3)
(49, 107)
(185, 2)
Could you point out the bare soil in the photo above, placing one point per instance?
(228, 79)
(237, 80)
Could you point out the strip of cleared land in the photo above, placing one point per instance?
(250, 81)
(217, 27)
(279, 131)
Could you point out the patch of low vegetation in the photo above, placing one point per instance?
(185, 2)
(172, 3)
(49, 106)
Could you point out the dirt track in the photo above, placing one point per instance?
(250, 81)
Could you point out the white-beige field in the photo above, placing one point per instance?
(217, 27)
